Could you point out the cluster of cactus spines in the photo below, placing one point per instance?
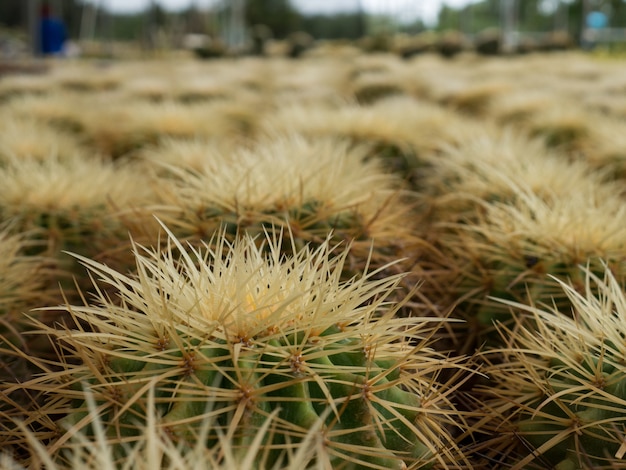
(116, 126)
(497, 165)
(157, 449)
(62, 111)
(73, 204)
(22, 277)
(24, 284)
(554, 237)
(311, 187)
(556, 397)
(193, 154)
(16, 85)
(369, 88)
(564, 126)
(400, 131)
(507, 244)
(23, 138)
(237, 332)
(118, 130)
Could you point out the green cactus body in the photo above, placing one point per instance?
(242, 332)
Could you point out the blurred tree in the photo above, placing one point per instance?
(195, 20)
(72, 13)
(154, 26)
(536, 15)
(343, 25)
(449, 18)
(279, 15)
(483, 15)
(618, 16)
(129, 27)
(157, 14)
(381, 24)
(533, 15)
(575, 14)
(12, 13)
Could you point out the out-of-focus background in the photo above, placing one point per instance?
(232, 27)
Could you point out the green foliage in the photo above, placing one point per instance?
(531, 15)
(279, 15)
(11, 13)
(470, 19)
(340, 26)
(128, 27)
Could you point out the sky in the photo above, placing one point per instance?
(425, 9)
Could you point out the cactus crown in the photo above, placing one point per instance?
(237, 331)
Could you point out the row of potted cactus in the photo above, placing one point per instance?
(287, 277)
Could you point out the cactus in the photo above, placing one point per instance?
(557, 390)
(261, 35)
(23, 285)
(400, 130)
(476, 99)
(555, 236)
(237, 332)
(298, 43)
(309, 187)
(368, 88)
(124, 127)
(566, 127)
(86, 78)
(451, 43)
(73, 204)
(409, 46)
(488, 42)
(23, 138)
(60, 110)
(156, 449)
(515, 248)
(497, 165)
(506, 212)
